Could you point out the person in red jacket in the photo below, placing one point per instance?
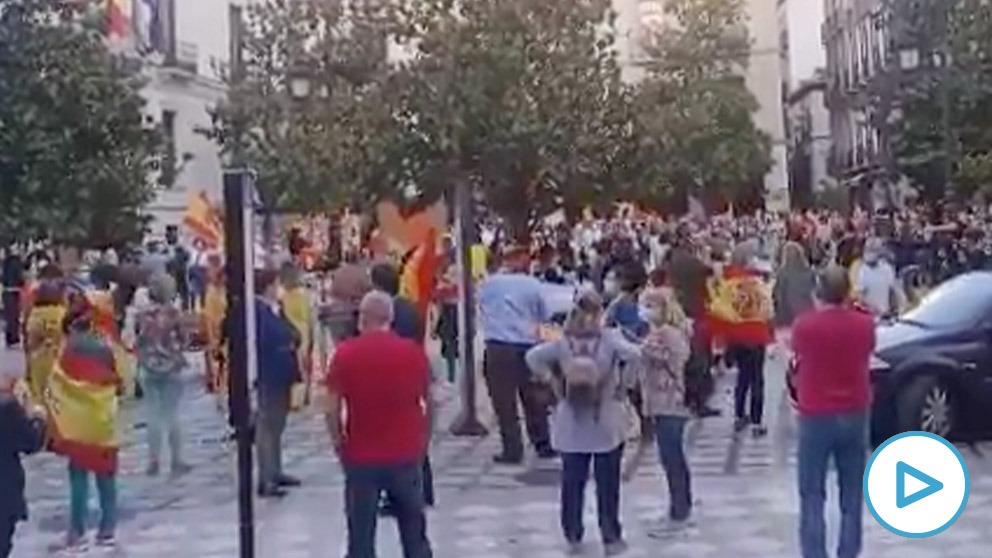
(746, 333)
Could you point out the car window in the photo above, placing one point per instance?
(960, 302)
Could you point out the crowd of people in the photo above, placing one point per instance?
(659, 306)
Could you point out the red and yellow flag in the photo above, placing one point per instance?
(203, 221)
(82, 404)
(740, 308)
(418, 275)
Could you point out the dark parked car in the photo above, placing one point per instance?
(932, 368)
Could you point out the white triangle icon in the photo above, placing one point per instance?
(914, 485)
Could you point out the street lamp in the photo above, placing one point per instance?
(299, 86)
(302, 86)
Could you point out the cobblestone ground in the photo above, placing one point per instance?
(744, 489)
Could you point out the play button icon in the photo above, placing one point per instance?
(908, 469)
(904, 498)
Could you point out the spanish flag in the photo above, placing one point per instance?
(105, 324)
(82, 404)
(740, 308)
(418, 276)
(203, 221)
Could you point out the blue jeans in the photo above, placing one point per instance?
(403, 486)
(670, 433)
(79, 499)
(843, 439)
(574, 476)
(162, 393)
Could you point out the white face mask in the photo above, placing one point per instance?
(610, 287)
(649, 314)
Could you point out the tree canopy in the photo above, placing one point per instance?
(306, 109)
(965, 84)
(695, 108)
(78, 163)
(523, 101)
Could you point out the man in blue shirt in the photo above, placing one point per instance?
(512, 310)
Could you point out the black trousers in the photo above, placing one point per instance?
(12, 317)
(750, 362)
(7, 527)
(508, 380)
(427, 474)
(699, 384)
(574, 477)
(402, 485)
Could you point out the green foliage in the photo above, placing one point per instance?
(520, 98)
(694, 106)
(330, 146)
(77, 163)
(919, 135)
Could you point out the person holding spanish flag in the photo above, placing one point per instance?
(82, 403)
(741, 313)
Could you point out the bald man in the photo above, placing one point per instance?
(383, 380)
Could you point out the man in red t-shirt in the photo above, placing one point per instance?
(378, 418)
(833, 347)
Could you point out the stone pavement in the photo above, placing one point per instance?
(744, 488)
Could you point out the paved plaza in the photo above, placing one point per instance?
(744, 489)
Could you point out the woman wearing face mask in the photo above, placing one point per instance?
(665, 353)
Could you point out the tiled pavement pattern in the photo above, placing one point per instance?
(744, 489)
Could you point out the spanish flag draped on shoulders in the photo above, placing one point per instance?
(740, 308)
(105, 324)
(82, 397)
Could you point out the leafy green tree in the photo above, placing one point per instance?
(520, 99)
(306, 110)
(965, 85)
(694, 106)
(77, 161)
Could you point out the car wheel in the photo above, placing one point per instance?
(927, 404)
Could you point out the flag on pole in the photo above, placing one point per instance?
(203, 221)
(419, 275)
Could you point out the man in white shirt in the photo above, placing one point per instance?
(877, 285)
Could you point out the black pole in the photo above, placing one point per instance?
(238, 205)
(945, 101)
(467, 423)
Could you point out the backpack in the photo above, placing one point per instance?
(583, 380)
(160, 341)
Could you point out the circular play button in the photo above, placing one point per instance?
(916, 484)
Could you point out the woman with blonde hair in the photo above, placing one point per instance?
(589, 422)
(665, 353)
(794, 285)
